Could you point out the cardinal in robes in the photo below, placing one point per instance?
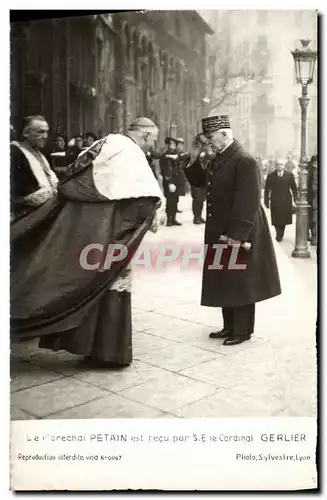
(109, 196)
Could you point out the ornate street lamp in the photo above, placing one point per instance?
(304, 59)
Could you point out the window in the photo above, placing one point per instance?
(127, 42)
(313, 104)
(263, 71)
(177, 26)
(239, 104)
(261, 131)
(262, 16)
(262, 101)
(151, 72)
(262, 43)
(297, 18)
(195, 41)
(261, 138)
(296, 136)
(245, 48)
(247, 101)
(99, 60)
(134, 56)
(312, 138)
(164, 65)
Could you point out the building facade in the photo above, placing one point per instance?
(262, 93)
(97, 73)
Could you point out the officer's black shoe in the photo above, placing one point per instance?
(169, 222)
(176, 223)
(236, 340)
(202, 220)
(221, 334)
(197, 221)
(179, 211)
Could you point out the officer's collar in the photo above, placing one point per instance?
(229, 151)
(221, 152)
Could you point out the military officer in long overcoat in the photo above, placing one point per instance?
(279, 188)
(232, 181)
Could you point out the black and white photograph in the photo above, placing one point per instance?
(164, 179)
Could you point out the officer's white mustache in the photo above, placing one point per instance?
(214, 148)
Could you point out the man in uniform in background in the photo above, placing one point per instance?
(199, 194)
(153, 156)
(170, 172)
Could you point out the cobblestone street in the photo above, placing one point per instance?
(177, 370)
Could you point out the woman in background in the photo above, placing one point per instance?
(59, 155)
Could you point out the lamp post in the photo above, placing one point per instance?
(304, 60)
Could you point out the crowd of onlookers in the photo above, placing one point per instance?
(288, 186)
(166, 166)
(63, 152)
(268, 165)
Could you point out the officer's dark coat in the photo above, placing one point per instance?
(182, 184)
(171, 173)
(232, 181)
(278, 195)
